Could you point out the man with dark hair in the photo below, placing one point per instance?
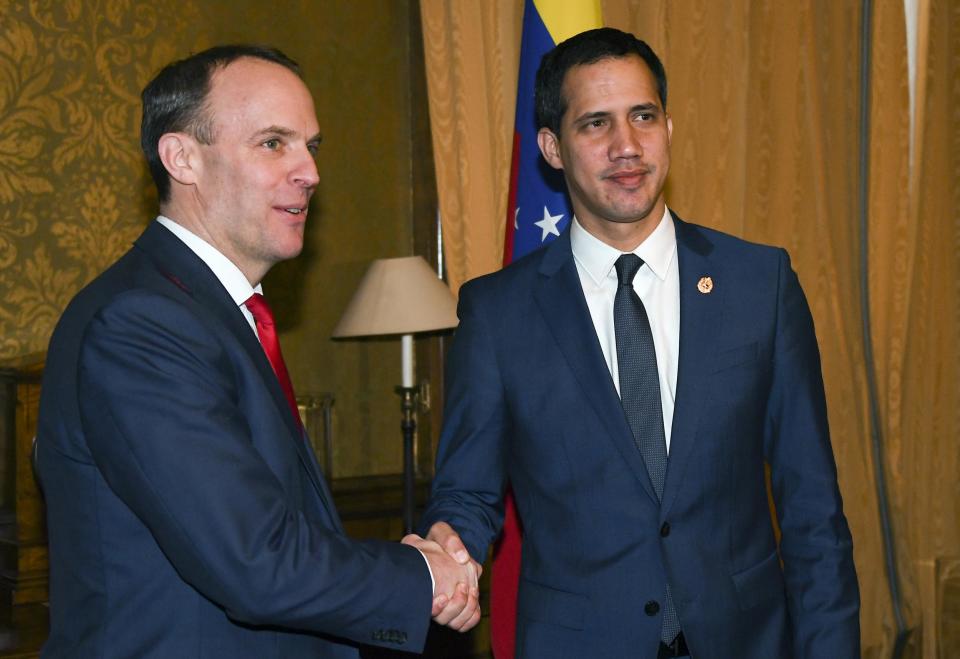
(588, 48)
(187, 514)
(174, 101)
(630, 381)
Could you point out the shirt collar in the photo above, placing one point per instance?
(223, 268)
(597, 257)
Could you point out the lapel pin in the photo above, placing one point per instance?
(705, 285)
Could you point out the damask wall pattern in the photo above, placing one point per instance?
(74, 190)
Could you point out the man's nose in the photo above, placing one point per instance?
(626, 142)
(305, 173)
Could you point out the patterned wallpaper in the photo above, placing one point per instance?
(74, 190)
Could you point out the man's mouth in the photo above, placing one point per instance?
(294, 210)
(628, 177)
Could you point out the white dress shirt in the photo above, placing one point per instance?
(225, 270)
(658, 285)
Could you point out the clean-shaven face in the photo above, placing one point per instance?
(614, 146)
(259, 173)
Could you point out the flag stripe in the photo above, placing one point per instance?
(563, 18)
(534, 186)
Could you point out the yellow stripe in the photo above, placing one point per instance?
(565, 18)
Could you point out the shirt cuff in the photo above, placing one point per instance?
(433, 582)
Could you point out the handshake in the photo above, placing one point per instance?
(456, 593)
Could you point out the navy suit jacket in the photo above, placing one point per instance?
(530, 401)
(187, 515)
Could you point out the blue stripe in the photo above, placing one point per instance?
(538, 184)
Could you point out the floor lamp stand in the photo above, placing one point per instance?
(408, 424)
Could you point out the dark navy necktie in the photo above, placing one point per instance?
(640, 394)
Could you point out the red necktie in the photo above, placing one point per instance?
(267, 331)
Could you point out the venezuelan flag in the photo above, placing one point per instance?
(537, 211)
(538, 208)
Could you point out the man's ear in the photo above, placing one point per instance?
(179, 154)
(549, 145)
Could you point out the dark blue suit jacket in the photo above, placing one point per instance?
(187, 515)
(530, 400)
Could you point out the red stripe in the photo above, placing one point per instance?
(505, 572)
(505, 583)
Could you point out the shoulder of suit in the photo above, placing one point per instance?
(510, 275)
(133, 274)
(726, 242)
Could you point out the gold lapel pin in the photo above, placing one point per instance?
(705, 285)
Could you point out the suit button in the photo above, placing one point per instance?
(665, 530)
(651, 608)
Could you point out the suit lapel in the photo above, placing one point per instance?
(701, 315)
(185, 269)
(559, 296)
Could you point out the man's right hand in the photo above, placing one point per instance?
(444, 535)
(456, 593)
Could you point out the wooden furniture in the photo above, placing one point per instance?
(23, 531)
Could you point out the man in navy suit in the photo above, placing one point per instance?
(628, 552)
(187, 514)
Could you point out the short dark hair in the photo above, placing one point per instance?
(587, 48)
(175, 100)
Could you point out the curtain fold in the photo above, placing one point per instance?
(918, 278)
(764, 100)
(471, 51)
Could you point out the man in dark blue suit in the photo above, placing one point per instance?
(630, 381)
(187, 514)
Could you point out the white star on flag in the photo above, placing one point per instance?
(548, 224)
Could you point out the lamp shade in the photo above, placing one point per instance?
(398, 296)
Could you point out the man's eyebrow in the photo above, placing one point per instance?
(274, 130)
(646, 107)
(652, 108)
(282, 131)
(590, 116)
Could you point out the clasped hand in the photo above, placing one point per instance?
(456, 593)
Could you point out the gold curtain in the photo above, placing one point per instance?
(471, 49)
(915, 279)
(764, 99)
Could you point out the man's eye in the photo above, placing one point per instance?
(272, 144)
(313, 149)
(597, 123)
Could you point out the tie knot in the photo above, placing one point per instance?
(258, 307)
(627, 266)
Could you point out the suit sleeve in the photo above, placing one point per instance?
(816, 546)
(160, 407)
(470, 475)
